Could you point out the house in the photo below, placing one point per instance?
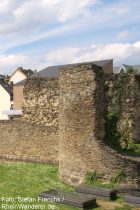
(19, 75)
(6, 98)
(125, 68)
(18, 78)
(53, 71)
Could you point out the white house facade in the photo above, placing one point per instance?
(19, 75)
(5, 102)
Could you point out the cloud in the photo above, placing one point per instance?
(32, 15)
(121, 53)
(24, 22)
(29, 21)
(118, 51)
(123, 35)
(8, 63)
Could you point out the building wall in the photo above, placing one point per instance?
(4, 102)
(108, 68)
(28, 142)
(17, 77)
(18, 97)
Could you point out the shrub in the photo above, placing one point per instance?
(92, 177)
(131, 70)
(118, 177)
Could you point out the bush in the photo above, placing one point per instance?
(131, 70)
(118, 177)
(92, 177)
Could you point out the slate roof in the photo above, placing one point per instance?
(53, 71)
(27, 72)
(21, 83)
(126, 67)
(2, 76)
(7, 87)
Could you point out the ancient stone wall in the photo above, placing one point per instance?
(28, 142)
(82, 128)
(123, 98)
(41, 101)
(136, 121)
(64, 119)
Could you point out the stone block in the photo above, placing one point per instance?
(69, 198)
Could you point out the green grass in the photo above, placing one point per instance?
(125, 207)
(28, 180)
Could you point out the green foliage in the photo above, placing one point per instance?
(95, 179)
(119, 139)
(132, 70)
(125, 207)
(125, 139)
(112, 135)
(118, 177)
(134, 149)
(92, 177)
(123, 89)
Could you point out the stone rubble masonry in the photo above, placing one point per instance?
(63, 124)
(25, 141)
(136, 121)
(41, 101)
(130, 104)
(81, 129)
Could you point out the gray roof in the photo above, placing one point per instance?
(53, 71)
(21, 83)
(126, 67)
(7, 87)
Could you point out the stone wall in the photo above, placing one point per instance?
(82, 129)
(41, 101)
(136, 121)
(123, 97)
(63, 120)
(28, 142)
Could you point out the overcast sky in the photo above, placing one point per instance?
(39, 33)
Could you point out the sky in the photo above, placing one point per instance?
(35, 34)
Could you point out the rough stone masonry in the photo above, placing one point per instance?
(82, 128)
(64, 123)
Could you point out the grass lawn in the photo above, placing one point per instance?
(29, 179)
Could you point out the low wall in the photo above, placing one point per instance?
(28, 142)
